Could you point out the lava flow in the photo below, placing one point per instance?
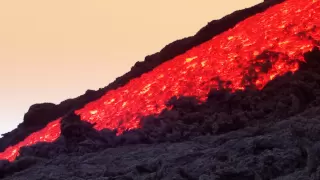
(48, 134)
(286, 31)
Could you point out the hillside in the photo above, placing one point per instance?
(238, 100)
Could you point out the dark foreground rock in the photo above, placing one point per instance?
(276, 151)
(35, 120)
(273, 133)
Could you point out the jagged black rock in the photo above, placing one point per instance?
(39, 115)
(273, 133)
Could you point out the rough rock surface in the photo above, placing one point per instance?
(269, 134)
(34, 119)
(273, 133)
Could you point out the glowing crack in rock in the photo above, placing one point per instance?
(278, 36)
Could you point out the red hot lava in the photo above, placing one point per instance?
(48, 134)
(290, 29)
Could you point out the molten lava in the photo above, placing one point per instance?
(48, 134)
(276, 39)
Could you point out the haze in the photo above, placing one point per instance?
(54, 50)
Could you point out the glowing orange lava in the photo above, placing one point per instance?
(290, 29)
(48, 134)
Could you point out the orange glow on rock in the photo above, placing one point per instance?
(290, 29)
(48, 134)
(284, 28)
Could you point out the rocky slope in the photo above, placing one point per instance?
(271, 133)
(39, 115)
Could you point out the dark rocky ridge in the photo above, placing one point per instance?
(39, 115)
(273, 133)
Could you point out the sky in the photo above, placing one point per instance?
(55, 50)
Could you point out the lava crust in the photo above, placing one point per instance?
(256, 119)
(39, 115)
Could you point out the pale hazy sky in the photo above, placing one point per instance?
(52, 50)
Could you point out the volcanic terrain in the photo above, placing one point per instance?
(239, 100)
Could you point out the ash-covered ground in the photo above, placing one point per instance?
(273, 133)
